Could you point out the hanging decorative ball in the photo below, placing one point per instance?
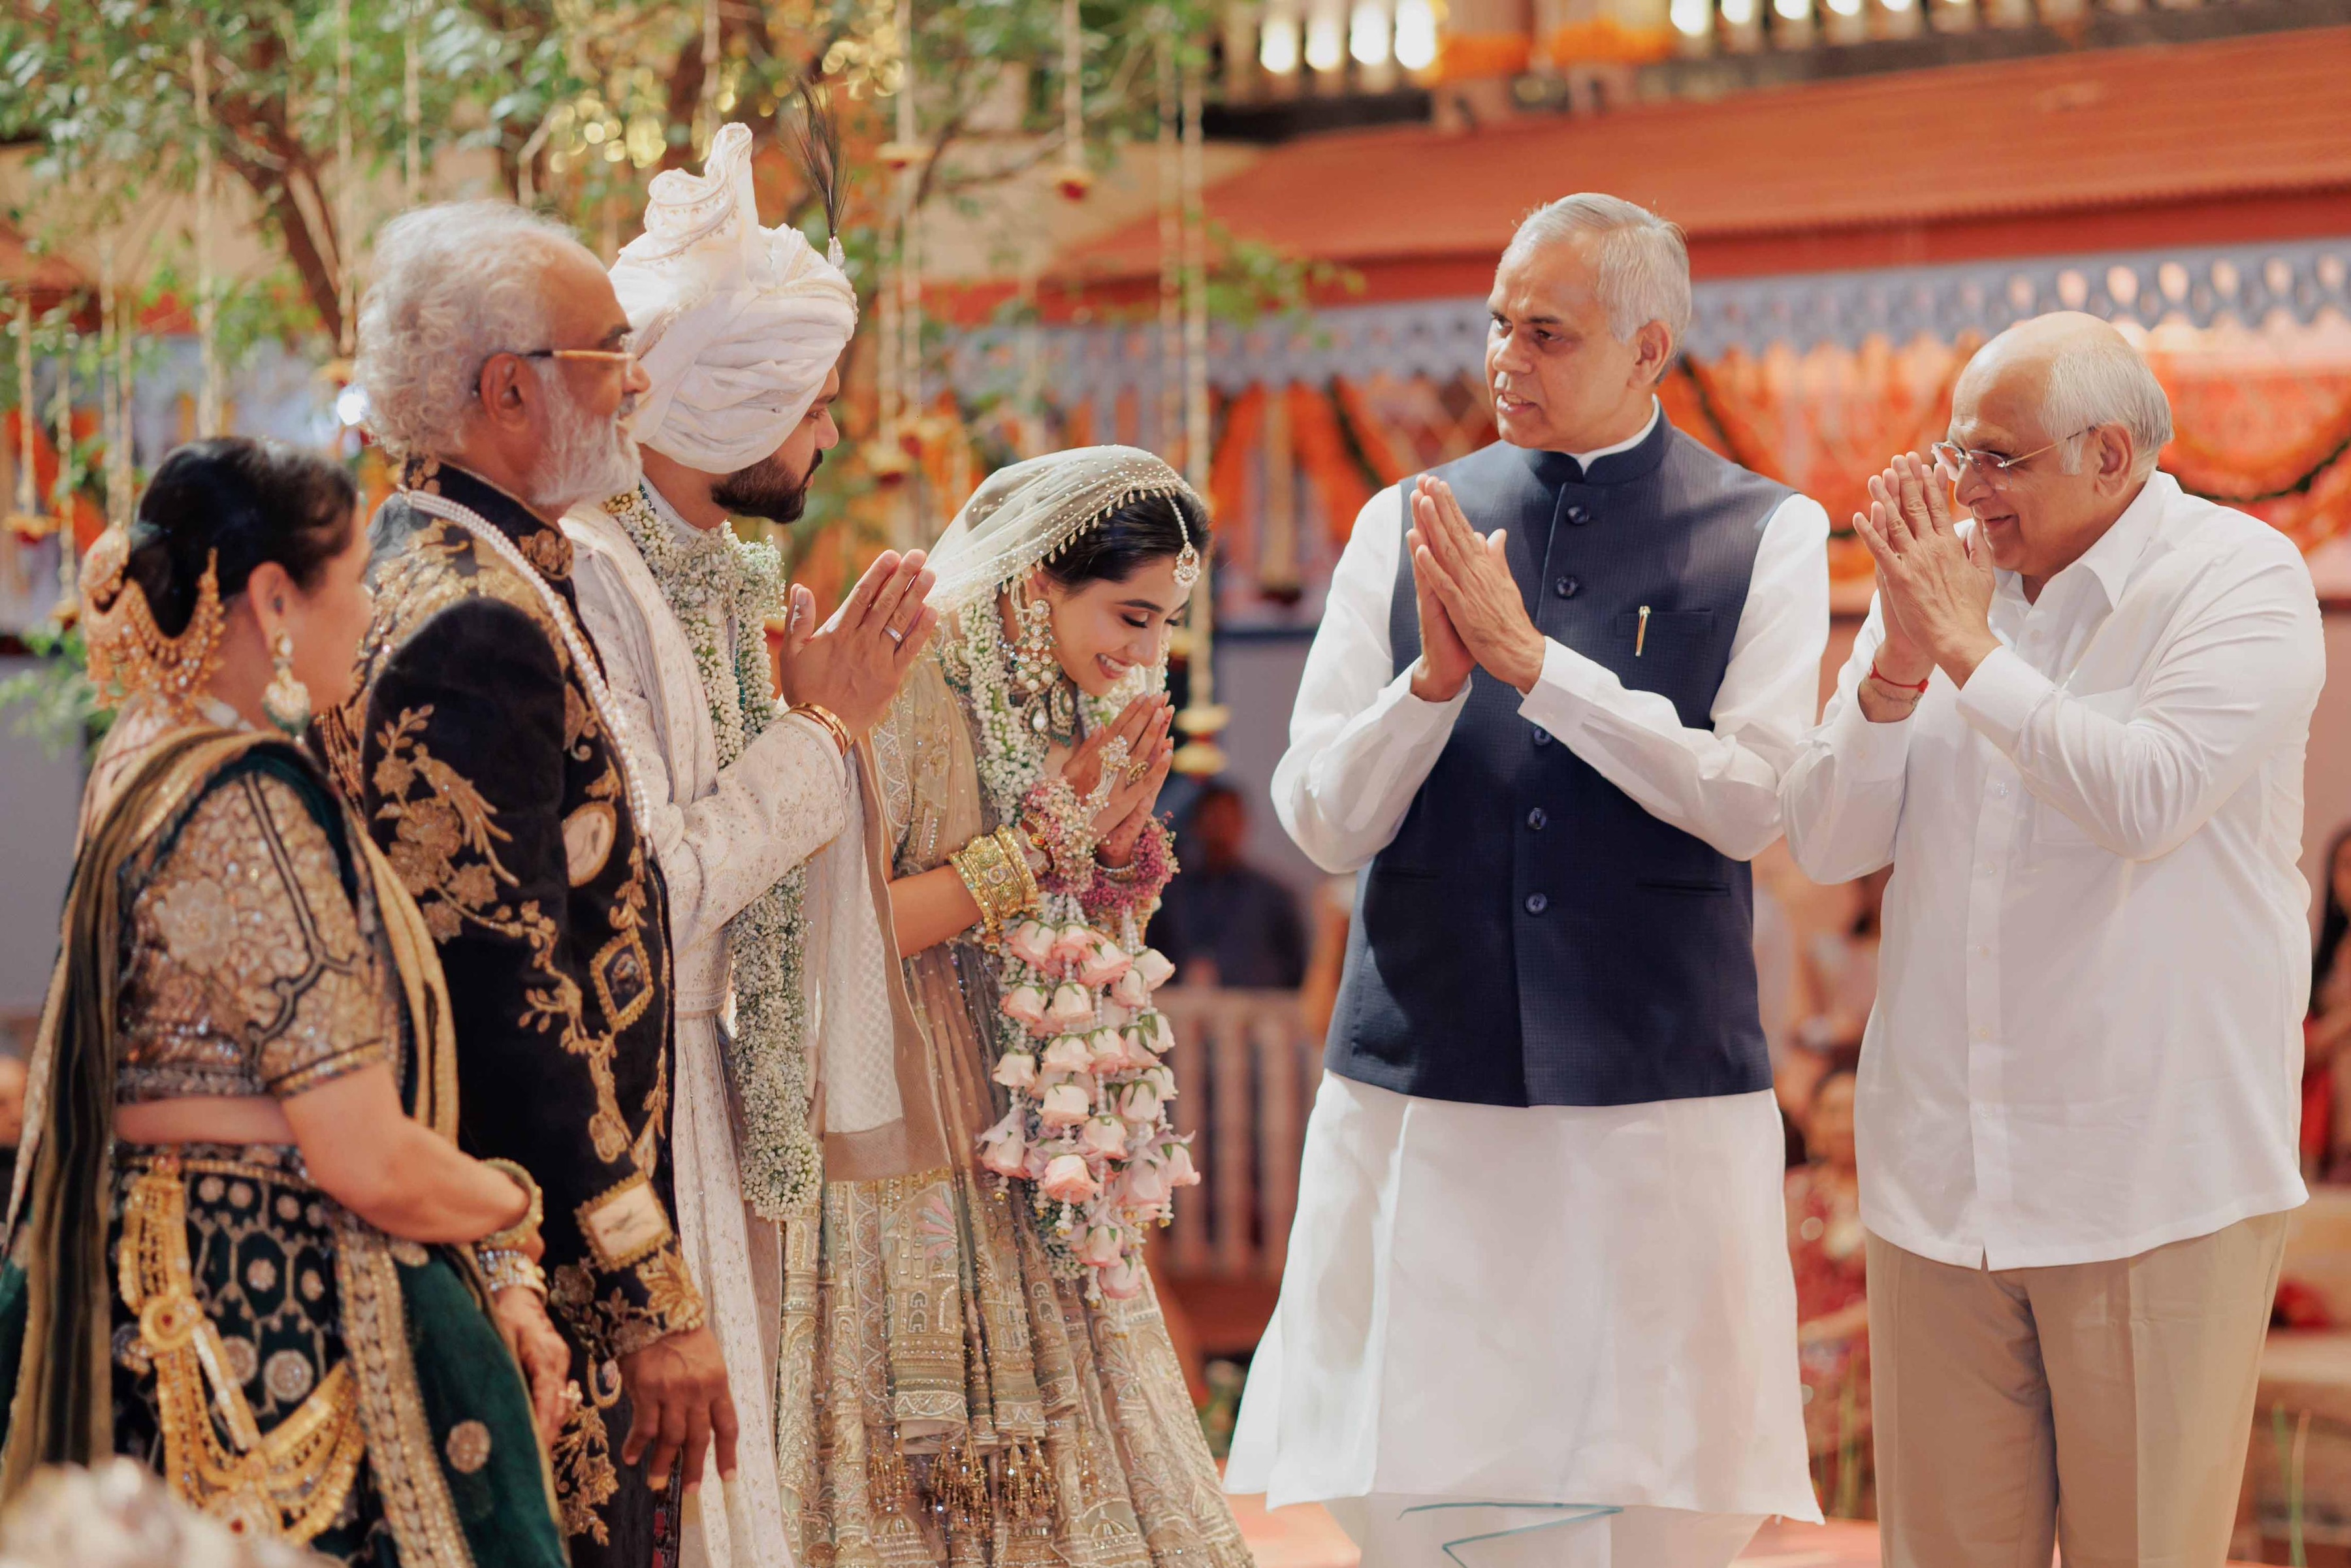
(887, 459)
(31, 528)
(1074, 181)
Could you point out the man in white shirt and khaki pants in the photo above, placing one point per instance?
(2076, 731)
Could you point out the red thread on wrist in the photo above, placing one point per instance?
(1881, 678)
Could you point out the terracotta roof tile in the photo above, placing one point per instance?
(2082, 132)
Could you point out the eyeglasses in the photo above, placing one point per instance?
(1990, 467)
(622, 356)
(626, 358)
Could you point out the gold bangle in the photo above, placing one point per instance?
(1017, 852)
(997, 875)
(511, 1238)
(831, 722)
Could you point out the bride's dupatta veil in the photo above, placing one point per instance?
(951, 1393)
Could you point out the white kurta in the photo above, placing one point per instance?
(1586, 1305)
(721, 836)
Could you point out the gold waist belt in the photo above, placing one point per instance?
(290, 1482)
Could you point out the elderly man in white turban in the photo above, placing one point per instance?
(740, 329)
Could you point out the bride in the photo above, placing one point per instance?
(974, 1368)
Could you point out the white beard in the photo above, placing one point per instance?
(586, 460)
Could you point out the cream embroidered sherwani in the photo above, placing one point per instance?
(722, 837)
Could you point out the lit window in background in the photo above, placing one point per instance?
(1738, 12)
(1367, 33)
(1326, 42)
(1792, 10)
(1692, 18)
(1845, 7)
(1897, 5)
(1416, 35)
(1277, 44)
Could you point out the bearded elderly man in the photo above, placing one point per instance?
(2075, 729)
(741, 329)
(1538, 1307)
(484, 750)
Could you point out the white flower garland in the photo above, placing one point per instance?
(709, 581)
(1079, 1045)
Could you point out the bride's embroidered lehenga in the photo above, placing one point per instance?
(946, 1398)
(203, 1308)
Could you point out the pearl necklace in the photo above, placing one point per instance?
(600, 697)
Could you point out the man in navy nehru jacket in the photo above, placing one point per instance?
(1538, 1307)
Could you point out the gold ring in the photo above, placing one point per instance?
(1136, 769)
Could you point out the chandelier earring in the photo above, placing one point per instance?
(285, 700)
(1037, 680)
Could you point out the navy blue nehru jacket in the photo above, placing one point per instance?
(1533, 935)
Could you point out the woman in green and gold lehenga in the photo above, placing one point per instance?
(244, 1248)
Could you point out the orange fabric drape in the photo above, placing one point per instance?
(1464, 56)
(1371, 434)
(2263, 430)
(1604, 40)
(1228, 489)
(1322, 447)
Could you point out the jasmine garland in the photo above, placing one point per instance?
(711, 582)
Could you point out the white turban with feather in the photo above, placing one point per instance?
(737, 326)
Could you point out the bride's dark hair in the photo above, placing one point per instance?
(1129, 539)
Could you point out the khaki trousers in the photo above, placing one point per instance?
(2103, 1408)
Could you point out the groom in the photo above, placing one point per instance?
(740, 329)
(1537, 1306)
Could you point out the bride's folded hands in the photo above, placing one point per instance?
(1143, 726)
(931, 906)
(1118, 828)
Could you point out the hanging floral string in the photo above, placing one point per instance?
(1087, 1136)
(1074, 179)
(1202, 719)
(128, 306)
(26, 523)
(1172, 386)
(412, 106)
(346, 188)
(706, 115)
(108, 402)
(61, 507)
(208, 400)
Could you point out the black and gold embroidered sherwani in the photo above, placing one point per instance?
(487, 777)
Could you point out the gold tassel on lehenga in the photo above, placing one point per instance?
(290, 1482)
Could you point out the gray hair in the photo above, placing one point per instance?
(453, 283)
(1640, 261)
(2101, 380)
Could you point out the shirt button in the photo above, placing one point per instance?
(1537, 819)
(1543, 735)
(1578, 516)
(1537, 903)
(2000, 791)
(1983, 949)
(1566, 586)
